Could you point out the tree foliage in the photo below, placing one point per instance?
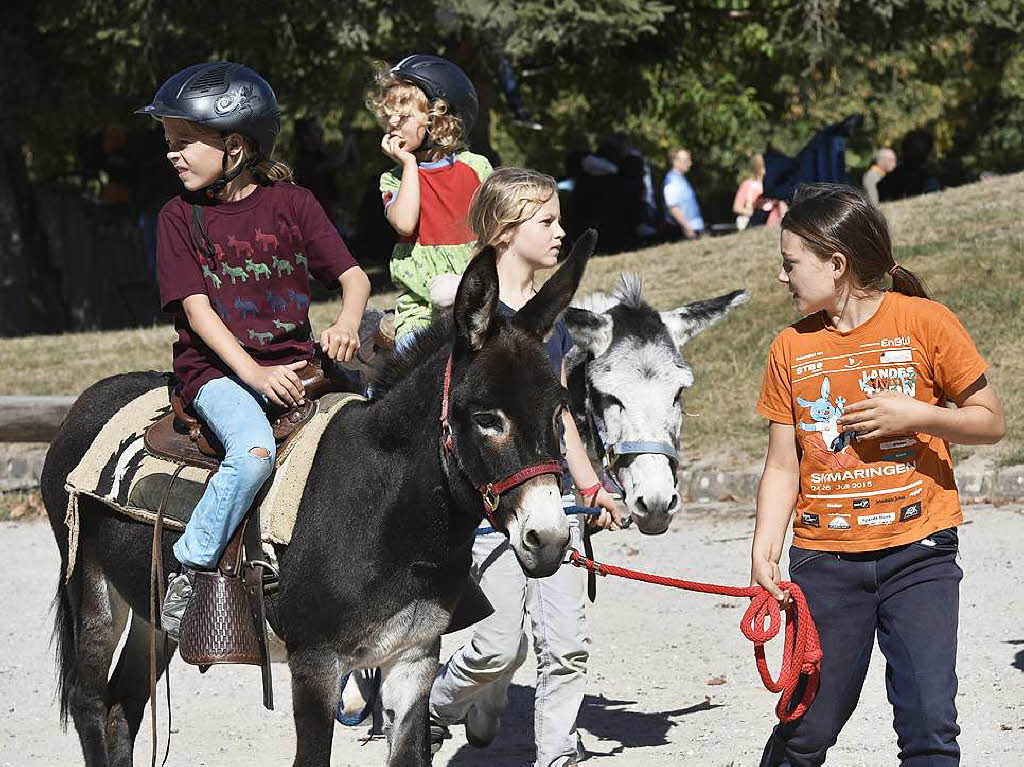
(723, 77)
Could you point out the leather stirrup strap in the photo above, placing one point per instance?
(156, 579)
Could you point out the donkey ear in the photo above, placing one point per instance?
(590, 331)
(689, 320)
(476, 302)
(539, 314)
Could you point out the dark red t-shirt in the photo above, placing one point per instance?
(266, 246)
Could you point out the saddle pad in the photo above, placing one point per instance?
(118, 471)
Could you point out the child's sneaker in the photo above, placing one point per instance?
(179, 592)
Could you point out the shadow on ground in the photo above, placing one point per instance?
(1018, 659)
(613, 722)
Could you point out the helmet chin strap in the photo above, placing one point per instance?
(226, 176)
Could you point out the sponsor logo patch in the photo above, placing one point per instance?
(896, 444)
(872, 520)
(811, 520)
(897, 355)
(861, 503)
(911, 511)
(900, 456)
(839, 522)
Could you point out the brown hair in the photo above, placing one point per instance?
(506, 199)
(835, 218)
(393, 95)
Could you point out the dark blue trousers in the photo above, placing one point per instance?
(907, 596)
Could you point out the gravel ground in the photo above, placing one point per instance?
(656, 656)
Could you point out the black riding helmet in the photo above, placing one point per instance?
(441, 79)
(227, 97)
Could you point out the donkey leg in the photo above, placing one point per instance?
(315, 676)
(128, 690)
(100, 618)
(406, 691)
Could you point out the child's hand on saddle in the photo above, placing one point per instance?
(340, 341)
(766, 574)
(884, 414)
(394, 147)
(610, 517)
(279, 383)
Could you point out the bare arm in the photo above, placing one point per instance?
(341, 340)
(404, 213)
(278, 382)
(978, 418)
(776, 497)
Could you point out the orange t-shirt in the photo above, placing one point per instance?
(863, 495)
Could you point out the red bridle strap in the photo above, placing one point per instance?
(491, 492)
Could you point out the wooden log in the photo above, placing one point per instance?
(32, 419)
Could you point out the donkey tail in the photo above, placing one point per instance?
(63, 640)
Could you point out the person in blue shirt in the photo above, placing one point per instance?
(682, 211)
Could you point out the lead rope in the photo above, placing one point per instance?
(801, 654)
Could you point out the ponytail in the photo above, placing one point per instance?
(268, 171)
(906, 282)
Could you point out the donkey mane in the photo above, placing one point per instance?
(629, 293)
(399, 364)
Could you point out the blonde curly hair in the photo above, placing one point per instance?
(506, 199)
(396, 96)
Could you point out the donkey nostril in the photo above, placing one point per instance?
(641, 506)
(674, 504)
(532, 539)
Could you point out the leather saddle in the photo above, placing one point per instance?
(181, 436)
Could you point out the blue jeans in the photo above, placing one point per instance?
(909, 597)
(234, 412)
(405, 340)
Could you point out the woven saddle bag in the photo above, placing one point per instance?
(225, 619)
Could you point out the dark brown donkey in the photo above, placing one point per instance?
(381, 547)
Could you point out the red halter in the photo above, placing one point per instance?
(491, 491)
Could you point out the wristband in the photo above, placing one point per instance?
(591, 492)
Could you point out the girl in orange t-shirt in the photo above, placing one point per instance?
(858, 445)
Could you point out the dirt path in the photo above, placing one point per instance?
(654, 653)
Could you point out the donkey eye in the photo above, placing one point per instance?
(488, 420)
(609, 400)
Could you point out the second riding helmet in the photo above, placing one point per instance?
(227, 97)
(441, 79)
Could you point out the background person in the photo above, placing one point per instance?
(682, 211)
(750, 198)
(885, 161)
(861, 452)
(912, 176)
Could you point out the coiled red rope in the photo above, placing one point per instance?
(801, 654)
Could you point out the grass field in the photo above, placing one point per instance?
(967, 243)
